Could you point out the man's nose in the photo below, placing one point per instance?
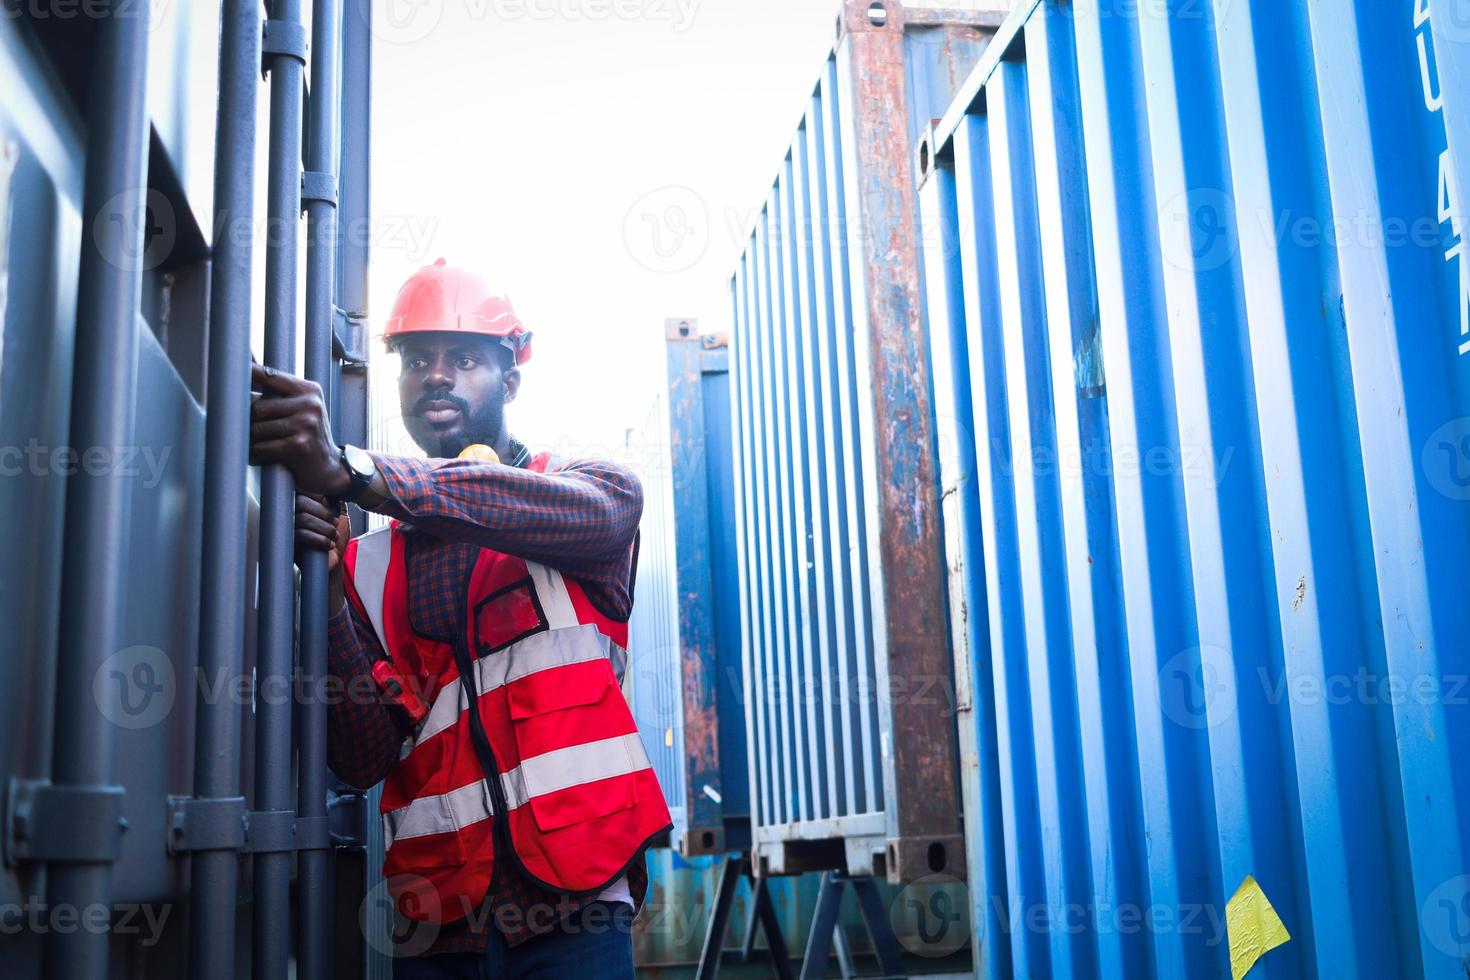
(438, 376)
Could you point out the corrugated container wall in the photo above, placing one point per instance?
(652, 679)
(684, 637)
(848, 672)
(1197, 294)
(135, 144)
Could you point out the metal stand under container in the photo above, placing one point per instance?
(847, 659)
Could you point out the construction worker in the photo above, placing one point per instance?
(515, 832)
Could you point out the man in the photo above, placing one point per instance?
(516, 831)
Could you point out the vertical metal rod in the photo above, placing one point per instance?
(226, 453)
(103, 384)
(271, 915)
(314, 936)
(350, 394)
(354, 213)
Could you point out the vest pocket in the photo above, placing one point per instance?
(570, 725)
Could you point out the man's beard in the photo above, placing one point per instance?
(482, 427)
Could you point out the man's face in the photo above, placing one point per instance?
(452, 390)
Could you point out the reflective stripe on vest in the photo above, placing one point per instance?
(370, 577)
(440, 814)
(551, 772)
(538, 652)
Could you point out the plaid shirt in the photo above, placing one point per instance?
(581, 519)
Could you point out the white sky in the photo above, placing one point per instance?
(542, 141)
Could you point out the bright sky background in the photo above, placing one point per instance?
(546, 141)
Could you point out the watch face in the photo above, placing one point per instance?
(359, 462)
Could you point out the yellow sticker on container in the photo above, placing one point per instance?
(669, 738)
(1253, 926)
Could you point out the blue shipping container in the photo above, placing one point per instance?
(1200, 319)
(684, 639)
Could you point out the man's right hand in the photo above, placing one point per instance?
(321, 528)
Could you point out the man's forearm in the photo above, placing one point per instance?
(580, 519)
(363, 733)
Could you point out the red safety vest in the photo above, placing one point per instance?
(570, 781)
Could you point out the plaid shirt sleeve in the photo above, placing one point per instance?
(580, 519)
(363, 732)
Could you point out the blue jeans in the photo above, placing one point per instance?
(596, 942)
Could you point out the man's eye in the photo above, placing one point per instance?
(418, 363)
(467, 362)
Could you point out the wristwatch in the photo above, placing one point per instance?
(360, 468)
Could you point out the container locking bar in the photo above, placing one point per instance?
(281, 832)
(66, 824)
(318, 186)
(205, 825)
(225, 825)
(281, 39)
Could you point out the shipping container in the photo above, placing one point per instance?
(690, 678)
(1198, 304)
(847, 658)
(156, 805)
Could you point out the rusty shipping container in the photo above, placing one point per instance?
(850, 728)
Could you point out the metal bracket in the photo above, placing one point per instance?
(67, 824)
(318, 186)
(313, 833)
(349, 334)
(205, 824)
(282, 39)
(269, 832)
(349, 818)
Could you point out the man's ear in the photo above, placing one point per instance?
(512, 381)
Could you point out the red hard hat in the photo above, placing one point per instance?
(440, 297)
